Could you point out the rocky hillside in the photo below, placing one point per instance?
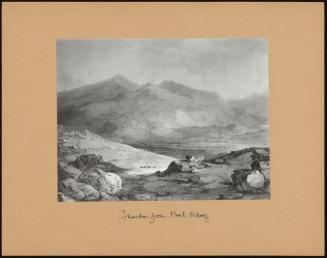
(93, 169)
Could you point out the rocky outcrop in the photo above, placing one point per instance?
(261, 154)
(78, 191)
(178, 166)
(88, 161)
(182, 166)
(105, 182)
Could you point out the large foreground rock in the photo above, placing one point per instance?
(256, 179)
(247, 180)
(102, 181)
(77, 190)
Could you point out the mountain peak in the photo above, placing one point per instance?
(166, 82)
(119, 77)
(120, 80)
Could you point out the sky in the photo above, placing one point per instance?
(231, 67)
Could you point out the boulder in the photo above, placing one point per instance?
(102, 181)
(77, 190)
(247, 180)
(256, 179)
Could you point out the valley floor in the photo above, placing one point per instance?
(146, 175)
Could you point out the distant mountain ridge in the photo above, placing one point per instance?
(255, 104)
(120, 108)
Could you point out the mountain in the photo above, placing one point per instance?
(119, 108)
(255, 105)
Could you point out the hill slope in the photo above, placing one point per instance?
(119, 108)
(135, 161)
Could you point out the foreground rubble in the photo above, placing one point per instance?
(240, 174)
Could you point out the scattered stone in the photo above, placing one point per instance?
(78, 191)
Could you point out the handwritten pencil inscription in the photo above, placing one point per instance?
(153, 217)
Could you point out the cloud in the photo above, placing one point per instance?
(67, 81)
(231, 67)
